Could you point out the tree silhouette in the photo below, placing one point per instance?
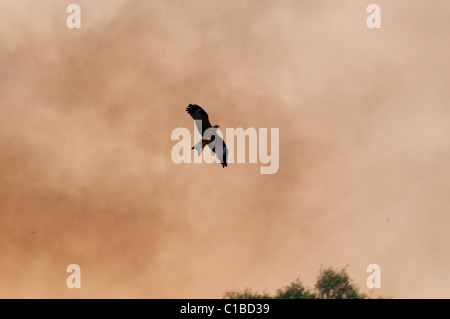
(330, 284)
(294, 290)
(246, 294)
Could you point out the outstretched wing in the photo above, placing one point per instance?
(219, 147)
(200, 117)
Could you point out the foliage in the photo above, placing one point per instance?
(294, 290)
(246, 294)
(330, 284)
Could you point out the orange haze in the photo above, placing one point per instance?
(86, 175)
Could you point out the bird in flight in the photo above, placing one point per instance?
(209, 133)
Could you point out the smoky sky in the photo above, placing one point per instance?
(86, 175)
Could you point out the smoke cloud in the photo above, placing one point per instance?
(86, 175)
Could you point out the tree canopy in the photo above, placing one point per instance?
(330, 284)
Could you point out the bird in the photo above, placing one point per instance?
(204, 126)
